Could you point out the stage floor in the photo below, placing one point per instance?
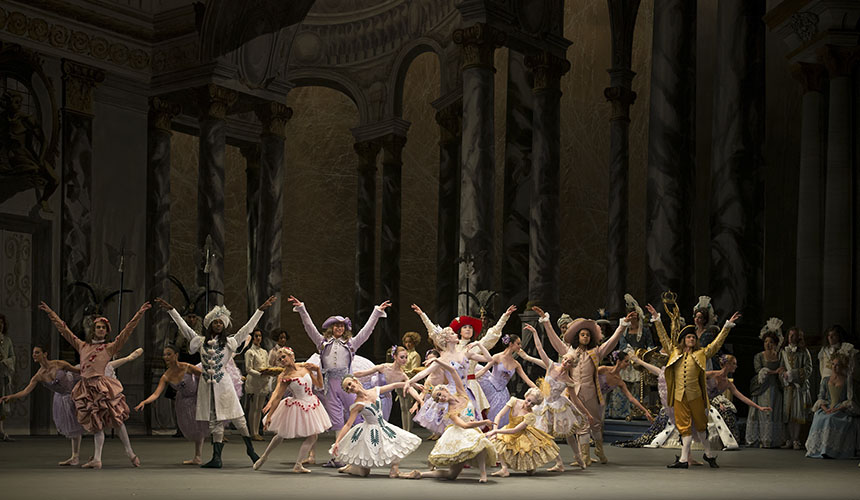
(28, 470)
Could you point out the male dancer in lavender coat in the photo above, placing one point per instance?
(337, 347)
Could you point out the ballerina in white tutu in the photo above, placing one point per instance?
(462, 442)
(374, 442)
(299, 415)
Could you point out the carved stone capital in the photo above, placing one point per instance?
(367, 152)
(621, 99)
(79, 80)
(477, 45)
(162, 113)
(392, 149)
(450, 120)
(215, 101)
(274, 116)
(812, 77)
(839, 60)
(547, 70)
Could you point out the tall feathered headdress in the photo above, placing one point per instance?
(773, 325)
(632, 305)
(217, 312)
(704, 304)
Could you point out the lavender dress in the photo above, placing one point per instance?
(495, 387)
(186, 409)
(65, 417)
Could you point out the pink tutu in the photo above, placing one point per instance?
(300, 415)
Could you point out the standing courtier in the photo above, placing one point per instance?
(337, 348)
(217, 401)
(687, 391)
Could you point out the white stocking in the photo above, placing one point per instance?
(686, 442)
(123, 436)
(272, 445)
(98, 442)
(76, 446)
(702, 437)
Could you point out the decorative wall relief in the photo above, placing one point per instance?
(29, 126)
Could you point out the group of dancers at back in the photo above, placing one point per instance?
(470, 409)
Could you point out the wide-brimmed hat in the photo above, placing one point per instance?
(579, 324)
(687, 330)
(217, 312)
(461, 321)
(337, 319)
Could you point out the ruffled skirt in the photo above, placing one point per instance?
(526, 450)
(433, 415)
(65, 417)
(99, 403)
(375, 445)
(458, 445)
(294, 418)
(560, 418)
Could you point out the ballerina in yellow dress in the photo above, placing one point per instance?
(520, 445)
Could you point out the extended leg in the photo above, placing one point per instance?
(98, 444)
(308, 443)
(272, 445)
(76, 451)
(123, 436)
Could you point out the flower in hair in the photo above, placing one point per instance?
(506, 339)
(394, 351)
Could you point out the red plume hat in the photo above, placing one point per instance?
(461, 321)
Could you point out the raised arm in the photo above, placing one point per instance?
(131, 357)
(61, 327)
(714, 346)
(246, 330)
(367, 329)
(123, 336)
(482, 357)
(187, 332)
(606, 347)
(544, 359)
(314, 334)
(491, 338)
(531, 359)
(557, 344)
(316, 374)
(648, 366)
(424, 373)
(432, 328)
(667, 343)
(162, 384)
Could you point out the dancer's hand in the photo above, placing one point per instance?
(417, 309)
(135, 354)
(765, 409)
(735, 317)
(512, 309)
(162, 303)
(5, 399)
(490, 434)
(334, 450)
(649, 416)
(486, 423)
(653, 312)
(139, 406)
(385, 305)
(267, 423)
(266, 408)
(294, 301)
(268, 303)
(146, 306)
(414, 408)
(538, 310)
(630, 316)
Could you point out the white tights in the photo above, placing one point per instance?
(217, 428)
(687, 442)
(99, 440)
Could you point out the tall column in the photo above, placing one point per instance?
(79, 81)
(477, 175)
(159, 133)
(671, 151)
(544, 227)
(737, 191)
(838, 223)
(810, 200)
(622, 19)
(517, 182)
(251, 153)
(274, 117)
(389, 254)
(213, 101)
(365, 230)
(449, 114)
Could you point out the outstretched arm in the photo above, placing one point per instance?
(23, 392)
(424, 373)
(494, 334)
(665, 341)
(556, 342)
(482, 357)
(187, 332)
(367, 329)
(635, 401)
(123, 336)
(162, 384)
(483, 371)
(353, 414)
(366, 373)
(606, 347)
(431, 327)
(461, 389)
(531, 359)
(246, 330)
(745, 399)
(714, 346)
(131, 357)
(648, 366)
(544, 359)
(61, 327)
(314, 334)
(504, 411)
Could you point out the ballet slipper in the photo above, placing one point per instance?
(92, 464)
(193, 461)
(300, 470)
(70, 461)
(501, 473)
(257, 437)
(556, 468)
(135, 461)
(311, 458)
(482, 480)
(414, 474)
(343, 470)
(259, 463)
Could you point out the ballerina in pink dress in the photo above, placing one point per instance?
(299, 415)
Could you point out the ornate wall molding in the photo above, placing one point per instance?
(162, 113)
(477, 44)
(274, 117)
(547, 70)
(804, 25)
(215, 101)
(79, 81)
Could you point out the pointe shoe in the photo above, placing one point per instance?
(92, 464)
(193, 461)
(500, 473)
(257, 437)
(259, 463)
(343, 470)
(70, 461)
(300, 470)
(482, 480)
(135, 461)
(311, 459)
(556, 468)
(7, 438)
(394, 473)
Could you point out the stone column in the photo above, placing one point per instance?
(449, 114)
(518, 186)
(389, 255)
(813, 145)
(365, 231)
(737, 191)
(544, 227)
(159, 133)
(671, 152)
(622, 19)
(251, 153)
(274, 117)
(477, 176)
(213, 102)
(79, 81)
(838, 224)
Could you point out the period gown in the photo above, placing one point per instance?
(528, 449)
(459, 445)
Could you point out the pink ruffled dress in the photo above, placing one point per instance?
(301, 414)
(99, 401)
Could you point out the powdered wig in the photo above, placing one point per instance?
(535, 394)
(440, 338)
